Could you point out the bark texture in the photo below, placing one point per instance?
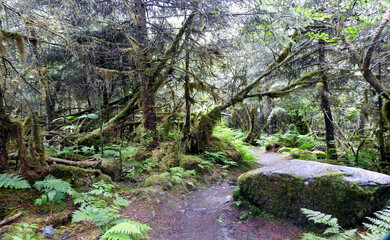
(329, 128)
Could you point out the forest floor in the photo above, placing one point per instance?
(208, 214)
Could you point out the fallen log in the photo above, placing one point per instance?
(102, 164)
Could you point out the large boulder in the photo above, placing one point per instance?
(347, 193)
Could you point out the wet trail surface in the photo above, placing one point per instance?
(208, 214)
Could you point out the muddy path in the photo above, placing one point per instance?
(208, 214)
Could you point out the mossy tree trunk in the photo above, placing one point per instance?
(251, 136)
(4, 132)
(329, 128)
(187, 124)
(149, 119)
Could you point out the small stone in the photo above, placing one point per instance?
(251, 236)
(232, 183)
(182, 211)
(49, 231)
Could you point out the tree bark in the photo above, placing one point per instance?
(145, 73)
(187, 125)
(4, 132)
(329, 128)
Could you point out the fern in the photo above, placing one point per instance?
(96, 215)
(13, 181)
(127, 230)
(380, 225)
(54, 190)
(97, 210)
(377, 230)
(334, 229)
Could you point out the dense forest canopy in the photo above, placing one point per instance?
(96, 72)
(159, 97)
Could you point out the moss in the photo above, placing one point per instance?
(160, 180)
(78, 176)
(109, 168)
(225, 146)
(141, 155)
(386, 110)
(168, 125)
(236, 194)
(198, 139)
(283, 196)
(189, 162)
(166, 156)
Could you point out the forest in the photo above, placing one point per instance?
(113, 112)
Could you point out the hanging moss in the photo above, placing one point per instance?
(386, 110)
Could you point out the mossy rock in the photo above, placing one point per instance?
(349, 194)
(189, 162)
(78, 177)
(160, 180)
(141, 155)
(225, 146)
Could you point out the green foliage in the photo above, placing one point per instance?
(100, 205)
(291, 139)
(377, 230)
(13, 181)
(54, 190)
(380, 225)
(236, 138)
(218, 158)
(178, 173)
(137, 167)
(127, 230)
(205, 165)
(67, 151)
(323, 36)
(26, 231)
(146, 138)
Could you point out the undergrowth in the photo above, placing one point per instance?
(377, 229)
(13, 181)
(236, 138)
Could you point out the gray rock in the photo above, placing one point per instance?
(49, 231)
(350, 194)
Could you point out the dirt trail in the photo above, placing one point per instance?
(208, 215)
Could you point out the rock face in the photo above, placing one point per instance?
(350, 194)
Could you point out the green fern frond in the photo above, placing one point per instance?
(127, 230)
(311, 236)
(54, 190)
(119, 201)
(319, 217)
(380, 225)
(13, 181)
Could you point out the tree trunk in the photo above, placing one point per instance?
(187, 125)
(329, 128)
(4, 131)
(145, 73)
